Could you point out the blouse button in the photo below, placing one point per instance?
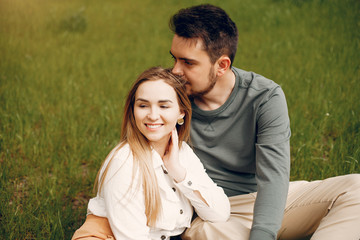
(174, 189)
(189, 183)
(164, 170)
(163, 237)
(181, 211)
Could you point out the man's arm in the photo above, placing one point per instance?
(272, 165)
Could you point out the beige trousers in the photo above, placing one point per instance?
(327, 209)
(94, 228)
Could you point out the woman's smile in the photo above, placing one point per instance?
(153, 126)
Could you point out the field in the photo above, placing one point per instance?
(66, 66)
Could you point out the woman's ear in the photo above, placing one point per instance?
(180, 120)
(223, 64)
(182, 115)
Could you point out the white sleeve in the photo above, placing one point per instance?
(125, 209)
(217, 208)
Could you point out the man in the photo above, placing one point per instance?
(241, 131)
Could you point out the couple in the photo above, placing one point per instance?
(240, 130)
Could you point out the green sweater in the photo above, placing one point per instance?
(245, 147)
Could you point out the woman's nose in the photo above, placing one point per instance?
(153, 114)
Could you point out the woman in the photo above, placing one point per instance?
(149, 183)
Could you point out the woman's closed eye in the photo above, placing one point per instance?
(164, 106)
(142, 105)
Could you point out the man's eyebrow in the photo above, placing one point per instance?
(184, 59)
(171, 54)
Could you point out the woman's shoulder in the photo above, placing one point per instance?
(119, 157)
(117, 171)
(184, 146)
(187, 154)
(122, 150)
(120, 154)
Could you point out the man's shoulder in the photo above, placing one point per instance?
(249, 79)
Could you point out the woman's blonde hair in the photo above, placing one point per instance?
(139, 145)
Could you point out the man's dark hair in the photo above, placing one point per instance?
(212, 25)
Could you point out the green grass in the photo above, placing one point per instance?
(66, 67)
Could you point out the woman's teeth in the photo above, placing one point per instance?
(153, 125)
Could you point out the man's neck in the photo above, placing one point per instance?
(219, 94)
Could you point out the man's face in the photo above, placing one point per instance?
(193, 64)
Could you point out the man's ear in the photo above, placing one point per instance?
(223, 64)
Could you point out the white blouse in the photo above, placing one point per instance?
(125, 209)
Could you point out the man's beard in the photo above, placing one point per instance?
(212, 82)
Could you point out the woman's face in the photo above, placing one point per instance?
(156, 111)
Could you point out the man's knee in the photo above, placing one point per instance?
(350, 183)
(354, 180)
(196, 230)
(352, 192)
(234, 228)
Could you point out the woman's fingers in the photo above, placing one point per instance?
(174, 137)
(171, 159)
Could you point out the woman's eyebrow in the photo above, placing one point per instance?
(160, 101)
(165, 101)
(141, 100)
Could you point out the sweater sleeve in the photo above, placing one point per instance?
(217, 206)
(272, 165)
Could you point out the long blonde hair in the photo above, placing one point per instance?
(139, 145)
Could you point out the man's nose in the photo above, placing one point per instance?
(177, 70)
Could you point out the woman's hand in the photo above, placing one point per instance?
(171, 158)
(172, 163)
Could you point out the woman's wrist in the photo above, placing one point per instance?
(178, 173)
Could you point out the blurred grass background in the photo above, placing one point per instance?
(66, 66)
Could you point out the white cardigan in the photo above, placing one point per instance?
(125, 209)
